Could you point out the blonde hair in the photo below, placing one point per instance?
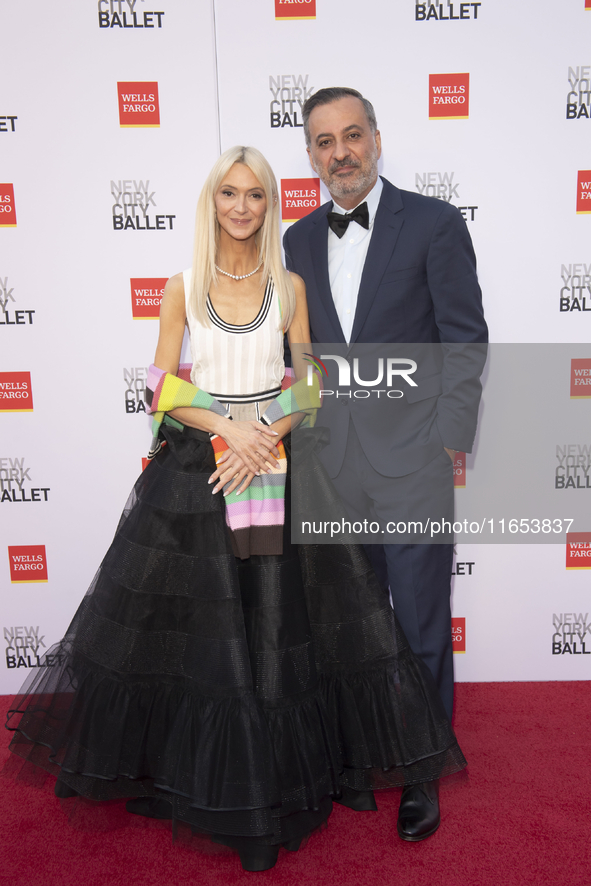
(207, 232)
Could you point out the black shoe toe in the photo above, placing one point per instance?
(418, 816)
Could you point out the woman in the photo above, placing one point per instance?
(214, 672)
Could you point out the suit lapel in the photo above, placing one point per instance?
(319, 256)
(387, 225)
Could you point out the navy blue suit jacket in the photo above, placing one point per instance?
(419, 285)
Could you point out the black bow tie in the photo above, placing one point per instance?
(339, 222)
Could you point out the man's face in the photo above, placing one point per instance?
(343, 150)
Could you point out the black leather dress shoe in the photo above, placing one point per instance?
(360, 801)
(418, 816)
(150, 807)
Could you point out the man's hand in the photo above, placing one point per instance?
(451, 453)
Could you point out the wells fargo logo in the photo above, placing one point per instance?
(458, 634)
(299, 197)
(449, 96)
(146, 295)
(587, 4)
(460, 470)
(16, 393)
(138, 105)
(584, 192)
(580, 378)
(288, 10)
(578, 550)
(7, 208)
(28, 564)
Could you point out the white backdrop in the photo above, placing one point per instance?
(65, 270)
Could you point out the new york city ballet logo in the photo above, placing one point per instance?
(449, 96)
(290, 10)
(299, 197)
(16, 483)
(28, 564)
(578, 550)
(446, 11)
(126, 14)
(464, 568)
(25, 647)
(138, 105)
(578, 96)
(146, 296)
(288, 94)
(573, 468)
(443, 186)
(8, 122)
(580, 378)
(135, 388)
(16, 393)
(584, 192)
(135, 207)
(7, 207)
(458, 634)
(575, 291)
(390, 371)
(9, 314)
(570, 633)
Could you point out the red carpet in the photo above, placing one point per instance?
(521, 815)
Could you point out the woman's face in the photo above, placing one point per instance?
(240, 203)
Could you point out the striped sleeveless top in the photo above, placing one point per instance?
(237, 364)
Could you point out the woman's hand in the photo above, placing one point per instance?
(253, 443)
(233, 470)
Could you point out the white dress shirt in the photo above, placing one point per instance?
(346, 258)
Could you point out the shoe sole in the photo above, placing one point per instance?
(411, 838)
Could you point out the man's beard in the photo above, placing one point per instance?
(354, 183)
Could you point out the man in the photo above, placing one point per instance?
(390, 266)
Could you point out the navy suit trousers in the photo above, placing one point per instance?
(419, 575)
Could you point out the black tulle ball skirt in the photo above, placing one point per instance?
(246, 692)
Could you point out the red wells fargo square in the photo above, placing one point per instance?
(16, 393)
(578, 550)
(580, 378)
(299, 197)
(294, 9)
(458, 634)
(7, 207)
(449, 96)
(138, 105)
(460, 470)
(146, 295)
(584, 192)
(28, 563)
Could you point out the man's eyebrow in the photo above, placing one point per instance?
(346, 129)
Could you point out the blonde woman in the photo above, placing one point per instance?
(215, 673)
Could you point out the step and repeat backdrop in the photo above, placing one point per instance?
(112, 113)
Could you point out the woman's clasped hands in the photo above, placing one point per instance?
(251, 451)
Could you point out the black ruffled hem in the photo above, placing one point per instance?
(164, 737)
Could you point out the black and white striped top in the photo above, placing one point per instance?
(238, 364)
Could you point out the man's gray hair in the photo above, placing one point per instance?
(334, 94)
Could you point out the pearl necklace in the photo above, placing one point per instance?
(239, 276)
